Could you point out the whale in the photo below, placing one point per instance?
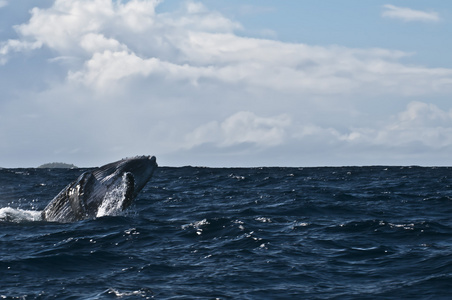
(112, 186)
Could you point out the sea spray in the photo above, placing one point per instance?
(113, 200)
(17, 215)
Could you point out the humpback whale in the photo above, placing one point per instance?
(116, 183)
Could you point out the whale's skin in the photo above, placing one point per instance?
(81, 199)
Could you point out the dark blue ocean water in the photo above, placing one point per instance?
(241, 233)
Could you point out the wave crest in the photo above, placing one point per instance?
(17, 215)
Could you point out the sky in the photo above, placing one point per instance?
(226, 83)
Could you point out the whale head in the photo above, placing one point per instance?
(140, 167)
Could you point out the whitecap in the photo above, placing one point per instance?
(17, 215)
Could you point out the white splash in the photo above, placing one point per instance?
(17, 215)
(113, 200)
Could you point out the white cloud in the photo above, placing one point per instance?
(241, 127)
(196, 17)
(116, 40)
(420, 129)
(265, 64)
(11, 46)
(127, 79)
(420, 124)
(107, 67)
(3, 3)
(136, 15)
(94, 43)
(408, 14)
(62, 26)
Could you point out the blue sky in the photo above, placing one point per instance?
(226, 83)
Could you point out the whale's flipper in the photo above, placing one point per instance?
(70, 204)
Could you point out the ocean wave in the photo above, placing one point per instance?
(17, 215)
(242, 233)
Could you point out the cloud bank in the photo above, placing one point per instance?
(119, 78)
